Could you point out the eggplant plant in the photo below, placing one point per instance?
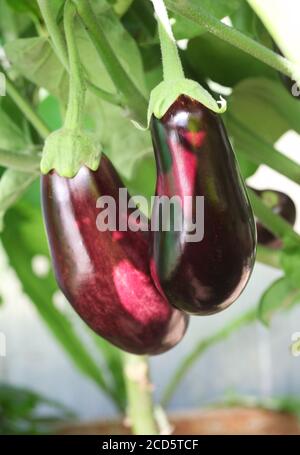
(161, 98)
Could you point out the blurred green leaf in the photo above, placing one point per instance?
(141, 24)
(11, 136)
(143, 178)
(265, 107)
(280, 296)
(247, 168)
(184, 28)
(24, 6)
(25, 224)
(20, 412)
(36, 61)
(49, 111)
(211, 57)
(13, 184)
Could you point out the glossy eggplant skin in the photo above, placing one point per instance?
(105, 275)
(282, 205)
(194, 158)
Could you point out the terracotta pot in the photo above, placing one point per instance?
(227, 421)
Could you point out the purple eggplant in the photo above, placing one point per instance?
(282, 205)
(194, 158)
(105, 275)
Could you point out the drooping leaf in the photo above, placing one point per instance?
(280, 296)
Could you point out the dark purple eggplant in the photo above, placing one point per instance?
(194, 158)
(282, 205)
(105, 275)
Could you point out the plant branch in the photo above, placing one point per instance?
(201, 347)
(139, 394)
(232, 36)
(135, 100)
(26, 108)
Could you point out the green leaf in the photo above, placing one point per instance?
(122, 43)
(184, 28)
(223, 63)
(121, 6)
(13, 184)
(25, 224)
(122, 142)
(279, 296)
(49, 111)
(35, 60)
(11, 136)
(20, 411)
(24, 6)
(143, 176)
(265, 107)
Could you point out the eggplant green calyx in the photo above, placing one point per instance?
(66, 151)
(166, 93)
(175, 84)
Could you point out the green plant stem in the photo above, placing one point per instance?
(232, 36)
(60, 48)
(268, 256)
(57, 38)
(139, 395)
(201, 347)
(258, 151)
(19, 161)
(275, 223)
(172, 67)
(26, 108)
(77, 88)
(135, 100)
